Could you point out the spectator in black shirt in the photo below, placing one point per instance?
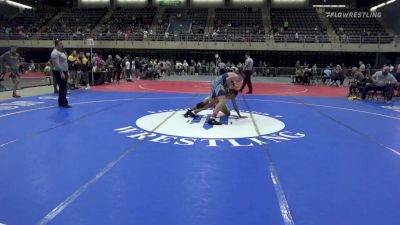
(118, 68)
(109, 69)
(397, 74)
(138, 68)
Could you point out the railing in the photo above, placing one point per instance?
(210, 38)
(203, 70)
(26, 67)
(288, 71)
(36, 77)
(29, 78)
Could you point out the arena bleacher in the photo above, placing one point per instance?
(27, 23)
(358, 29)
(176, 23)
(235, 24)
(133, 21)
(78, 23)
(303, 22)
(244, 24)
(231, 25)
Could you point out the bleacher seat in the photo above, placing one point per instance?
(238, 21)
(196, 16)
(136, 20)
(356, 30)
(78, 22)
(28, 22)
(301, 21)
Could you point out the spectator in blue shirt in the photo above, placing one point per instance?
(326, 75)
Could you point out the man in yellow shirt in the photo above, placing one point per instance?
(300, 75)
(73, 63)
(83, 69)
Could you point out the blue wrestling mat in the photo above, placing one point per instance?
(128, 158)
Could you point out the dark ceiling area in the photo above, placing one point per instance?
(54, 3)
(368, 3)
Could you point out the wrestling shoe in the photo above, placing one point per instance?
(189, 113)
(214, 122)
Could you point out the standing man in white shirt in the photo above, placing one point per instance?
(247, 71)
(60, 70)
(127, 68)
(185, 67)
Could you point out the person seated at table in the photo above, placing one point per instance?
(381, 81)
(356, 85)
(338, 75)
